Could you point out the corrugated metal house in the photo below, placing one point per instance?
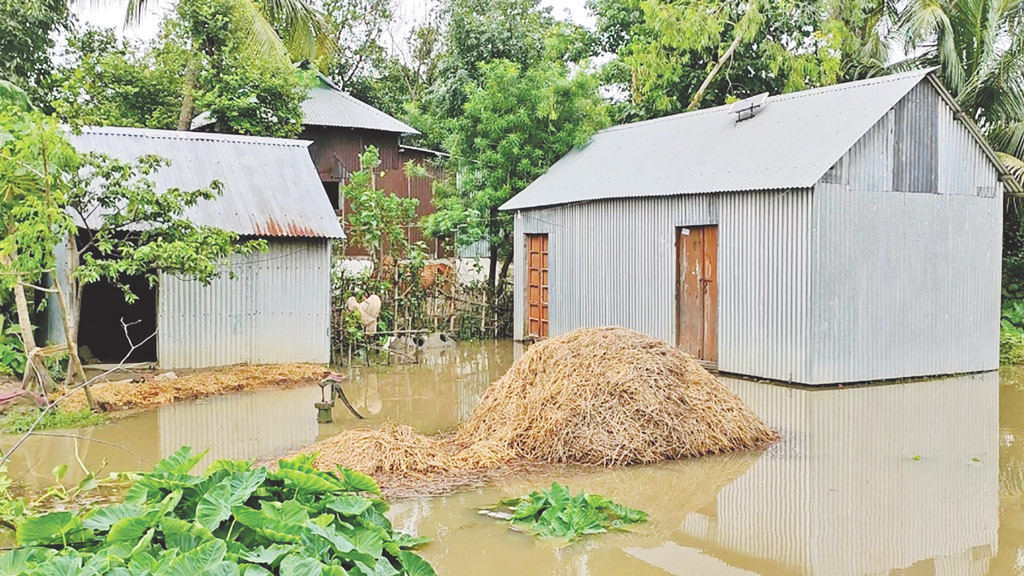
(272, 306)
(341, 127)
(842, 234)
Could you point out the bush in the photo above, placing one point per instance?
(1011, 344)
(234, 519)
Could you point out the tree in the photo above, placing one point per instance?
(673, 55)
(35, 162)
(247, 87)
(514, 125)
(199, 62)
(380, 221)
(28, 29)
(979, 47)
(104, 81)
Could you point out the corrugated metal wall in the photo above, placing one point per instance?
(907, 283)
(276, 308)
(614, 263)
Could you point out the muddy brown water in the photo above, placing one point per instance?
(924, 478)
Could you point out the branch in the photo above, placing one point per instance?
(52, 405)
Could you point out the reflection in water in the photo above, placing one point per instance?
(431, 396)
(867, 480)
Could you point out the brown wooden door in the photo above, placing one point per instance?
(537, 285)
(697, 291)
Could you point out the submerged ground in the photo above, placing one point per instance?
(923, 478)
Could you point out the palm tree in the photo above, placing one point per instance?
(295, 26)
(978, 46)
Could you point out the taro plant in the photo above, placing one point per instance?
(555, 513)
(236, 519)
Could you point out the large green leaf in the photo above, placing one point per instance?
(103, 518)
(19, 560)
(349, 504)
(184, 535)
(414, 565)
(182, 461)
(204, 560)
(215, 506)
(357, 481)
(52, 528)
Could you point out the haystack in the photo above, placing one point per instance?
(605, 396)
(611, 396)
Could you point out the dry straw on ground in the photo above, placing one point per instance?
(122, 395)
(604, 396)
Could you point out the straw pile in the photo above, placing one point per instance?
(612, 396)
(604, 396)
(126, 395)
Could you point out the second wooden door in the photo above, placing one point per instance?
(697, 291)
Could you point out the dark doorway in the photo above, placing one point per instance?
(104, 307)
(333, 195)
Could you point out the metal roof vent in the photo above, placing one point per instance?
(748, 107)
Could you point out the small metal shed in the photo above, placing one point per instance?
(842, 234)
(268, 307)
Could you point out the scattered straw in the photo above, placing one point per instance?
(113, 396)
(605, 396)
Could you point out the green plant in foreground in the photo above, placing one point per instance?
(555, 513)
(233, 520)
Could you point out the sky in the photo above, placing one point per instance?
(407, 12)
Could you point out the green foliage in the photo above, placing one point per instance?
(234, 519)
(36, 162)
(12, 350)
(28, 30)
(555, 513)
(514, 125)
(21, 421)
(106, 81)
(665, 48)
(379, 221)
(144, 230)
(1011, 344)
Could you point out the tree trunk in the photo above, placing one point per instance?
(35, 369)
(188, 99)
(699, 95)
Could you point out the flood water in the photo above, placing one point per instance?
(924, 478)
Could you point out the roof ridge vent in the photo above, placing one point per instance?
(748, 107)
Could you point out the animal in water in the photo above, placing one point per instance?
(368, 311)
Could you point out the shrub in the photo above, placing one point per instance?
(233, 520)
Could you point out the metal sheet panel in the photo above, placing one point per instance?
(791, 143)
(327, 106)
(614, 263)
(271, 187)
(275, 308)
(904, 284)
(765, 279)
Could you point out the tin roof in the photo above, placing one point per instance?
(271, 187)
(792, 141)
(329, 105)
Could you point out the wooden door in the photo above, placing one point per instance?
(697, 291)
(537, 285)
